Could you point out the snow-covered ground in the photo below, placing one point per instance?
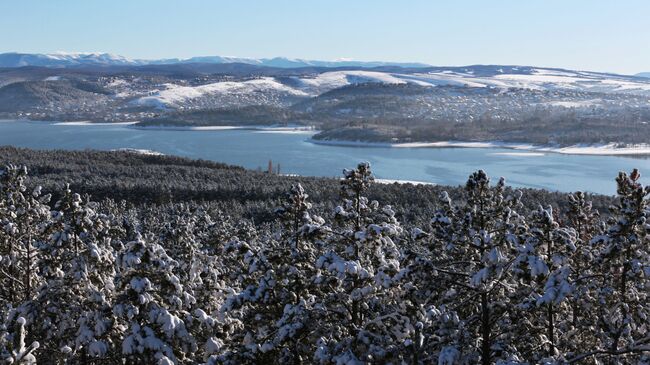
(140, 151)
(537, 79)
(581, 149)
(522, 154)
(413, 182)
(176, 95)
(384, 181)
(610, 149)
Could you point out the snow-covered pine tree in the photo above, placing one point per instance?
(24, 224)
(299, 242)
(24, 218)
(13, 349)
(586, 223)
(545, 264)
(429, 279)
(276, 305)
(360, 320)
(77, 265)
(481, 246)
(151, 306)
(623, 295)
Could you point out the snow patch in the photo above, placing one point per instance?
(139, 151)
(609, 149)
(87, 122)
(392, 181)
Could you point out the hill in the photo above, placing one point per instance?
(380, 104)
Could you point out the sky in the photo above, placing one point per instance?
(597, 35)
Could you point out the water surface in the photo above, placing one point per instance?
(253, 149)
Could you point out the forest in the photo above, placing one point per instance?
(117, 257)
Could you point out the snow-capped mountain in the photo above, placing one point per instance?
(106, 59)
(63, 59)
(644, 74)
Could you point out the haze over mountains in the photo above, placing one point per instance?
(76, 59)
(63, 59)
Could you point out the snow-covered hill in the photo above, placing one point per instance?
(276, 90)
(536, 78)
(315, 83)
(262, 91)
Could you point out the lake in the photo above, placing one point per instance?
(296, 155)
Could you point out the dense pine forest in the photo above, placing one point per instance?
(116, 257)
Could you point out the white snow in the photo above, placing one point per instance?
(140, 151)
(523, 154)
(392, 181)
(173, 94)
(574, 104)
(335, 79)
(288, 131)
(87, 122)
(610, 149)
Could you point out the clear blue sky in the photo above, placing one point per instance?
(600, 35)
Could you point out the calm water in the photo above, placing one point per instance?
(253, 149)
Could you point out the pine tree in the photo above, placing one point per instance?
(13, 349)
(187, 283)
(276, 304)
(25, 218)
(481, 238)
(77, 265)
(546, 257)
(624, 257)
(357, 271)
(151, 306)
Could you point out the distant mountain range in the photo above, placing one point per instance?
(644, 74)
(105, 59)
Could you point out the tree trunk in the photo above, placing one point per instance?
(485, 330)
(551, 330)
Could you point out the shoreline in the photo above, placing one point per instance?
(609, 149)
(401, 182)
(257, 128)
(91, 123)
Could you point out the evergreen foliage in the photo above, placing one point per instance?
(485, 280)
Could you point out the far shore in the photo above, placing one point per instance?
(609, 149)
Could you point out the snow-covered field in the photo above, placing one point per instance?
(539, 79)
(175, 95)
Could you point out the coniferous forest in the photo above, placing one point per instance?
(114, 257)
